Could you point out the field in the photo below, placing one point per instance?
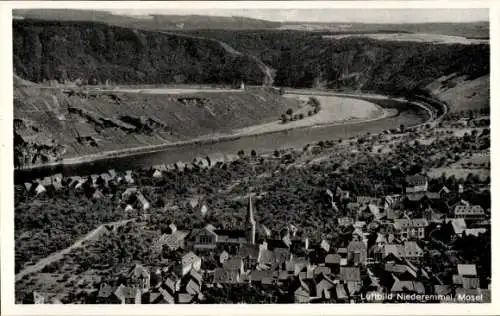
(461, 93)
(414, 37)
(334, 110)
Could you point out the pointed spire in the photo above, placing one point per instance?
(250, 218)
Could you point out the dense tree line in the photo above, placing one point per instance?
(94, 53)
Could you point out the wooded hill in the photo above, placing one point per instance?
(95, 52)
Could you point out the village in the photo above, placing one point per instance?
(426, 243)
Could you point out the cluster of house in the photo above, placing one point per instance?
(93, 182)
(382, 251)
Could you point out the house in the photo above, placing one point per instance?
(57, 181)
(250, 254)
(412, 251)
(235, 264)
(128, 295)
(402, 271)
(468, 270)
(475, 231)
(409, 250)
(43, 298)
(106, 294)
(416, 183)
(139, 276)
(396, 250)
(340, 292)
(432, 216)
(467, 276)
(128, 177)
(193, 282)
(356, 252)
(172, 283)
(230, 276)
(188, 261)
(444, 191)
(158, 296)
(345, 221)
(106, 178)
(352, 277)
(157, 174)
(27, 186)
(39, 189)
(411, 228)
(302, 293)
(281, 255)
(161, 168)
(145, 204)
(375, 211)
(342, 194)
(325, 245)
(112, 173)
(324, 286)
(390, 201)
(184, 298)
(407, 287)
(266, 258)
(469, 212)
(128, 193)
(333, 261)
(166, 296)
(223, 257)
(322, 269)
(458, 225)
(263, 277)
(204, 238)
(97, 195)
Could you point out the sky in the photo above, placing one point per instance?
(335, 15)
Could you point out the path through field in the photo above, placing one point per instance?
(56, 256)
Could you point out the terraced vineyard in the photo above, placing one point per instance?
(91, 123)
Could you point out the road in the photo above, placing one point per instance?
(268, 71)
(56, 256)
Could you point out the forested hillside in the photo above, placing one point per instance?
(94, 53)
(305, 59)
(156, 21)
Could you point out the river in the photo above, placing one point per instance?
(296, 138)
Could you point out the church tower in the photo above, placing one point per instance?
(250, 223)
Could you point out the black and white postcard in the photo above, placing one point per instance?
(310, 157)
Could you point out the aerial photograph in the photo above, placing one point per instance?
(257, 156)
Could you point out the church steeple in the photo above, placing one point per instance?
(250, 222)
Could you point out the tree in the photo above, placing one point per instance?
(284, 118)
(241, 153)
(402, 128)
(314, 102)
(289, 112)
(309, 113)
(276, 153)
(253, 153)
(301, 116)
